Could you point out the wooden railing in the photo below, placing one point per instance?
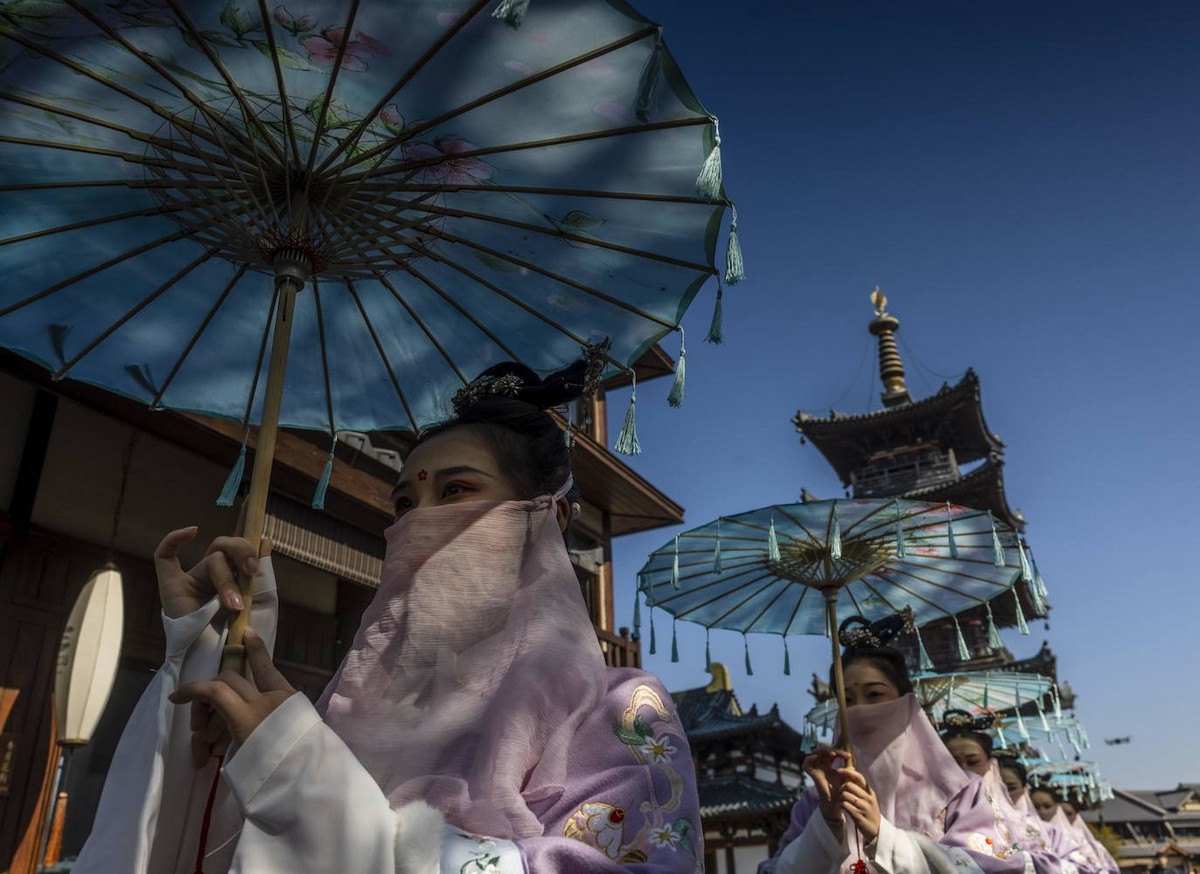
(620, 650)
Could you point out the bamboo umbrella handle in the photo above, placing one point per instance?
(839, 680)
(233, 656)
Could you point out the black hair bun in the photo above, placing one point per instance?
(874, 635)
(510, 379)
(960, 720)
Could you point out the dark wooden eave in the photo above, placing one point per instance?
(980, 489)
(953, 417)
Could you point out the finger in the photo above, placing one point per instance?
(238, 551)
(215, 693)
(264, 547)
(202, 714)
(243, 686)
(851, 777)
(216, 567)
(262, 670)
(166, 555)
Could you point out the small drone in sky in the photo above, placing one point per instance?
(1116, 741)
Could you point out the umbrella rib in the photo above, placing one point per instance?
(421, 324)
(852, 528)
(262, 355)
(436, 289)
(782, 591)
(166, 74)
(348, 32)
(695, 589)
(899, 566)
(88, 223)
(491, 188)
(382, 355)
(324, 359)
(145, 302)
(129, 157)
(187, 350)
(716, 623)
(563, 235)
(284, 102)
(91, 271)
(410, 167)
(84, 71)
(549, 274)
(429, 124)
(796, 609)
(406, 77)
(811, 535)
(918, 597)
(248, 114)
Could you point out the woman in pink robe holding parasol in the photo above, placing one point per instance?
(472, 727)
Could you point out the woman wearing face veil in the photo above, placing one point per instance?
(472, 727)
(906, 807)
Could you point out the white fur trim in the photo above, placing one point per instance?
(419, 834)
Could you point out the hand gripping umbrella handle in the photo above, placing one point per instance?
(843, 740)
(255, 509)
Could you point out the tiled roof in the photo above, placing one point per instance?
(708, 716)
(739, 795)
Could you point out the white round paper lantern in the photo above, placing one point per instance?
(88, 656)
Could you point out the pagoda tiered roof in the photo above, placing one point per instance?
(953, 417)
(981, 488)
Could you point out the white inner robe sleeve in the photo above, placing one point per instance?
(816, 851)
(153, 799)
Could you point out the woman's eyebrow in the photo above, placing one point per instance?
(445, 471)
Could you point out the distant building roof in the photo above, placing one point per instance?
(953, 416)
(740, 795)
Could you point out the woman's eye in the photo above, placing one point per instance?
(454, 489)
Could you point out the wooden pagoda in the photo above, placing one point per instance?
(937, 448)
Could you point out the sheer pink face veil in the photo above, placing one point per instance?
(905, 762)
(474, 665)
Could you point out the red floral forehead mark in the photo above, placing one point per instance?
(422, 475)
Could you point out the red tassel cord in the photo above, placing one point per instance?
(206, 822)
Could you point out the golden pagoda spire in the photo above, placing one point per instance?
(891, 368)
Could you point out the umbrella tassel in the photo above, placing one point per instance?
(637, 615)
(718, 565)
(1022, 625)
(1000, 737)
(951, 542)
(627, 441)
(707, 652)
(993, 635)
(1042, 718)
(674, 642)
(708, 183)
(835, 534)
(1026, 571)
(1083, 737)
(653, 640)
(749, 667)
(318, 501)
(1057, 706)
(675, 398)
(716, 329)
(648, 82)
(1074, 744)
(773, 543)
(997, 547)
(1020, 721)
(1039, 605)
(1062, 751)
(234, 481)
(675, 565)
(511, 12)
(787, 660)
(964, 654)
(901, 549)
(1038, 582)
(924, 662)
(735, 268)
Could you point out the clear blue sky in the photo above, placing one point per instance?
(1023, 180)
